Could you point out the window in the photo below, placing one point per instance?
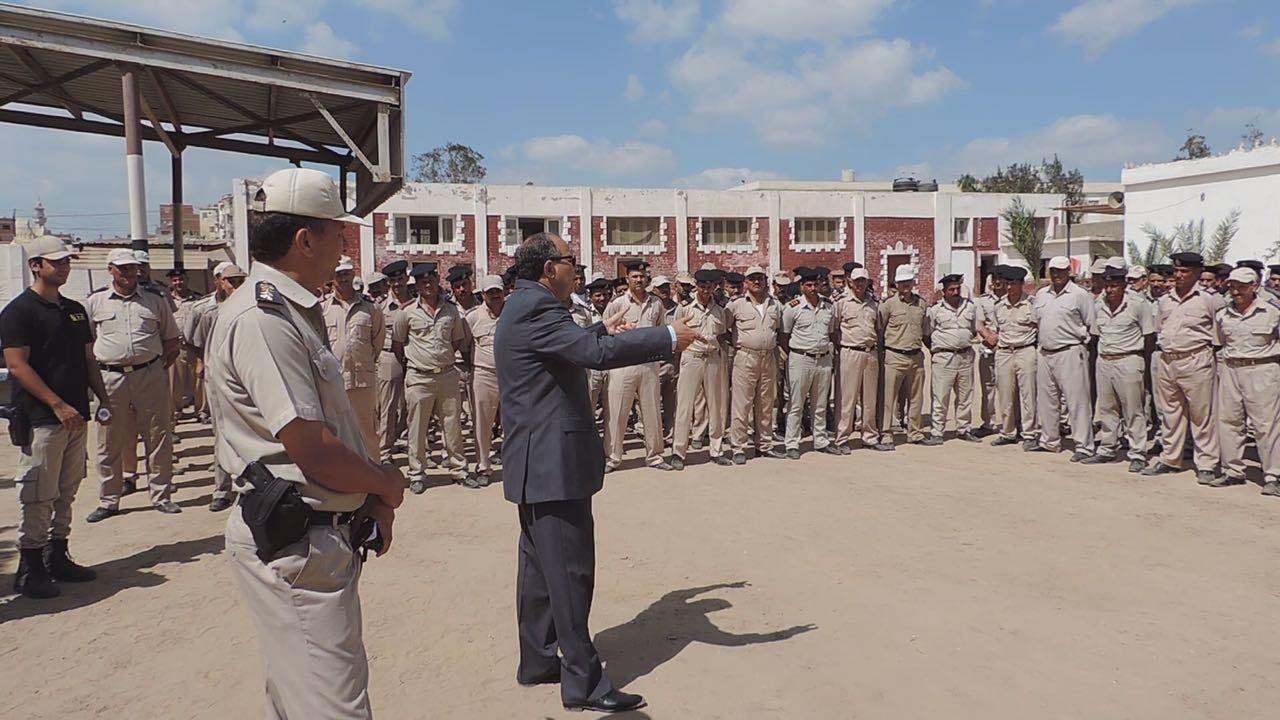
(516, 229)
(726, 231)
(817, 231)
(634, 231)
(424, 230)
(961, 235)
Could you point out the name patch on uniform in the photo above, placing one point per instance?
(77, 317)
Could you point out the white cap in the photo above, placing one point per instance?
(491, 282)
(1060, 262)
(230, 270)
(304, 192)
(121, 256)
(859, 274)
(345, 263)
(1115, 261)
(904, 273)
(659, 281)
(596, 276)
(374, 278)
(1098, 267)
(217, 269)
(48, 247)
(1136, 272)
(1243, 275)
(143, 256)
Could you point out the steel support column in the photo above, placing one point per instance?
(133, 159)
(177, 210)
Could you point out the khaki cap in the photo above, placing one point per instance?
(782, 279)
(121, 256)
(50, 248)
(755, 270)
(491, 282)
(230, 270)
(303, 192)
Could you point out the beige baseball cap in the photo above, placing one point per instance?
(345, 263)
(754, 270)
(121, 256)
(303, 192)
(374, 278)
(1060, 262)
(903, 274)
(1243, 275)
(782, 279)
(491, 282)
(49, 248)
(1098, 267)
(659, 281)
(859, 274)
(1136, 272)
(144, 257)
(230, 270)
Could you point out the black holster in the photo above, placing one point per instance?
(274, 511)
(19, 425)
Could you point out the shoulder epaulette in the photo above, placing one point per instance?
(795, 303)
(267, 294)
(153, 289)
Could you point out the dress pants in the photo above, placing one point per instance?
(1184, 390)
(1016, 382)
(50, 469)
(437, 395)
(703, 372)
(1121, 405)
(809, 383)
(755, 384)
(904, 374)
(484, 390)
(555, 580)
(952, 378)
(859, 383)
(393, 417)
(139, 401)
(625, 386)
(1062, 378)
(991, 411)
(1250, 393)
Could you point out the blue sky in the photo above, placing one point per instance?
(708, 92)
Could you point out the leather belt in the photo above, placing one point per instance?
(935, 351)
(1015, 347)
(859, 348)
(903, 352)
(815, 355)
(702, 354)
(426, 371)
(1055, 351)
(1249, 362)
(754, 351)
(1174, 355)
(318, 518)
(1119, 356)
(129, 368)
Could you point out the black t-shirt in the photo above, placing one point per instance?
(56, 333)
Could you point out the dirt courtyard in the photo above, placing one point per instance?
(955, 582)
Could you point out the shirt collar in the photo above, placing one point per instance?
(286, 285)
(1253, 307)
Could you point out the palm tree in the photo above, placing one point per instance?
(1020, 231)
(1223, 234)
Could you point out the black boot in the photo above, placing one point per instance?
(32, 579)
(62, 567)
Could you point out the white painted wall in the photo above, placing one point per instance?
(1169, 193)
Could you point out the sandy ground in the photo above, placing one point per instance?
(953, 582)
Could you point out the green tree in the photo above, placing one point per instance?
(1223, 234)
(1194, 147)
(1050, 177)
(1155, 252)
(1252, 137)
(1020, 231)
(1273, 252)
(449, 163)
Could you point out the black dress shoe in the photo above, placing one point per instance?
(551, 678)
(721, 460)
(774, 453)
(793, 454)
(101, 513)
(676, 462)
(219, 504)
(129, 487)
(739, 458)
(1002, 440)
(613, 701)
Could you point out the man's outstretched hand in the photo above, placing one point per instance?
(618, 323)
(685, 335)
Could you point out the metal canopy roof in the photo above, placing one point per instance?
(199, 92)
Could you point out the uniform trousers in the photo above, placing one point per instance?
(859, 383)
(182, 378)
(1062, 377)
(1121, 405)
(991, 412)
(364, 403)
(1184, 390)
(951, 378)
(484, 390)
(668, 378)
(49, 473)
(222, 483)
(305, 607)
(437, 395)
(904, 374)
(808, 383)
(1016, 382)
(1250, 393)
(139, 401)
(625, 386)
(754, 389)
(703, 372)
(392, 413)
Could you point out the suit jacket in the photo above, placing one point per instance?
(550, 448)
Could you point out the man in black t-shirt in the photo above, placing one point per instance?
(48, 348)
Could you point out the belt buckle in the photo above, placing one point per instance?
(126, 369)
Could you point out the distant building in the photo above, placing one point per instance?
(190, 220)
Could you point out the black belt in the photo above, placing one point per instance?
(129, 368)
(1119, 356)
(859, 348)
(327, 518)
(1250, 362)
(903, 352)
(425, 371)
(1016, 347)
(815, 355)
(1055, 351)
(951, 350)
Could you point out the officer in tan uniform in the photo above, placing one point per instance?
(182, 376)
(1273, 280)
(668, 371)
(1125, 332)
(858, 336)
(641, 309)
(1186, 373)
(754, 322)
(427, 334)
(902, 317)
(808, 322)
(1065, 312)
(990, 412)
(393, 415)
(951, 325)
(136, 339)
(702, 368)
(357, 332)
(482, 321)
(1249, 380)
(599, 292)
(1012, 329)
(283, 412)
(226, 280)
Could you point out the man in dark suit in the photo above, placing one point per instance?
(553, 462)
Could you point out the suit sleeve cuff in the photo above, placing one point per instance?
(673, 338)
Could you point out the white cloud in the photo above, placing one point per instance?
(426, 17)
(216, 19)
(1254, 30)
(320, 40)
(1097, 144)
(651, 128)
(1272, 48)
(598, 158)
(1096, 24)
(658, 21)
(635, 88)
(722, 178)
(802, 19)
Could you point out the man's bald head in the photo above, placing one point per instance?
(546, 258)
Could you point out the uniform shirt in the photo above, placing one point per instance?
(647, 313)
(754, 326)
(859, 321)
(903, 322)
(55, 335)
(269, 364)
(986, 307)
(1065, 317)
(192, 317)
(482, 325)
(1187, 323)
(428, 338)
(356, 333)
(952, 328)
(1015, 323)
(390, 308)
(584, 315)
(1126, 329)
(1251, 334)
(810, 326)
(182, 305)
(709, 321)
(202, 327)
(130, 330)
